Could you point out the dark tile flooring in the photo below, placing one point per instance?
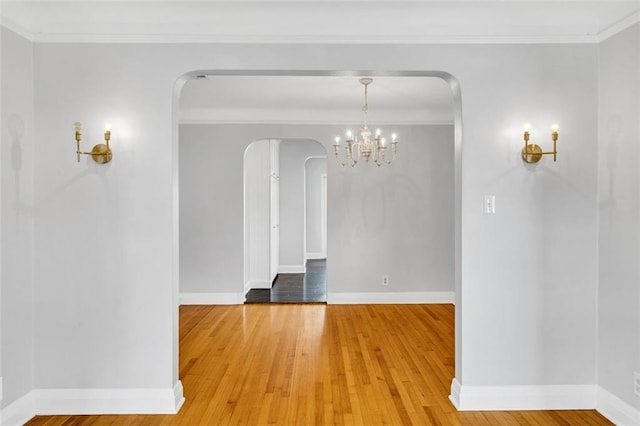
(310, 287)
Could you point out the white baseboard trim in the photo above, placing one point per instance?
(314, 256)
(616, 410)
(291, 269)
(178, 396)
(259, 284)
(108, 401)
(427, 297)
(570, 397)
(92, 401)
(211, 298)
(18, 412)
(454, 396)
(506, 398)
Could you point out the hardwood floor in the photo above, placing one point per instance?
(295, 364)
(310, 287)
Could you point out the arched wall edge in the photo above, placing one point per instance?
(457, 111)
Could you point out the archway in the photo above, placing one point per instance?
(457, 121)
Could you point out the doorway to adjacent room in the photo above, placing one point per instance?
(285, 221)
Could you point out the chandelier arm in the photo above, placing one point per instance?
(356, 158)
(394, 148)
(336, 151)
(365, 108)
(351, 160)
(342, 163)
(376, 150)
(381, 156)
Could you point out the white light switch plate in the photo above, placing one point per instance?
(489, 204)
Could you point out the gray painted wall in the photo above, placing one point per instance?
(16, 218)
(619, 215)
(209, 192)
(372, 211)
(526, 312)
(315, 169)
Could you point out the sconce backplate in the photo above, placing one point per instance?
(101, 153)
(532, 153)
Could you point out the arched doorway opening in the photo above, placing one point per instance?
(333, 217)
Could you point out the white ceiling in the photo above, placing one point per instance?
(318, 99)
(363, 21)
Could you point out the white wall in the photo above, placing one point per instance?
(104, 294)
(293, 154)
(211, 212)
(16, 218)
(619, 215)
(395, 220)
(105, 280)
(528, 272)
(315, 172)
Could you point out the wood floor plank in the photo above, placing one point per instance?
(321, 364)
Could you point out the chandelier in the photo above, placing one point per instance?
(364, 146)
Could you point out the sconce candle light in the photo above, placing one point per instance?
(532, 153)
(101, 153)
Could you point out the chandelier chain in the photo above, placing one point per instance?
(365, 108)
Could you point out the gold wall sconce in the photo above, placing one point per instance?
(101, 153)
(532, 153)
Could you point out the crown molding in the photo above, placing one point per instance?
(58, 32)
(306, 122)
(305, 39)
(16, 28)
(619, 26)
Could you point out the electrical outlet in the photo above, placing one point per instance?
(385, 280)
(636, 383)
